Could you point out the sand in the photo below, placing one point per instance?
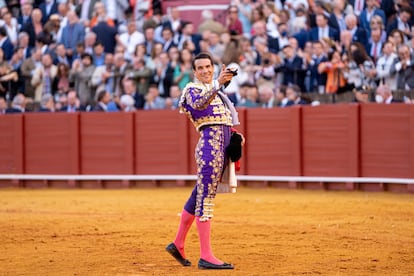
(261, 231)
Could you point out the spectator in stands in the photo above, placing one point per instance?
(102, 77)
(323, 30)
(25, 13)
(187, 35)
(168, 39)
(317, 79)
(106, 33)
(292, 67)
(43, 77)
(81, 75)
(396, 37)
(384, 64)
(72, 34)
(48, 7)
(233, 24)
(121, 68)
(33, 27)
(280, 96)
(293, 95)
(153, 100)
(266, 96)
(371, 9)
(259, 30)
(360, 71)
(245, 12)
(23, 42)
(3, 105)
(404, 68)
(130, 39)
(18, 104)
(61, 83)
(11, 27)
(183, 72)
(337, 17)
(127, 103)
(215, 47)
(384, 95)
(5, 44)
(209, 24)
(150, 41)
(375, 44)
(130, 88)
(358, 34)
(103, 99)
(174, 98)
(252, 98)
(47, 104)
(164, 75)
(85, 10)
(27, 70)
(141, 75)
(72, 104)
(100, 15)
(98, 54)
(61, 56)
(401, 22)
(334, 67)
(89, 43)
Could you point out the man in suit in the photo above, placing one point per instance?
(370, 10)
(187, 33)
(106, 34)
(47, 104)
(292, 68)
(375, 44)
(73, 103)
(168, 37)
(48, 7)
(383, 94)
(404, 67)
(5, 44)
(85, 9)
(358, 34)
(23, 42)
(26, 11)
(317, 80)
(27, 69)
(323, 30)
(102, 101)
(72, 34)
(401, 22)
(18, 104)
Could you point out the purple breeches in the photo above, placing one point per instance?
(210, 158)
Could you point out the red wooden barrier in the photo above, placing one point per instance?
(51, 143)
(161, 142)
(387, 135)
(106, 145)
(11, 146)
(273, 139)
(330, 144)
(330, 140)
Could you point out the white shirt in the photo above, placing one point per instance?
(131, 41)
(383, 68)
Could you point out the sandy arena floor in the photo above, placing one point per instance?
(260, 231)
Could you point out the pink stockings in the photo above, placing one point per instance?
(185, 224)
(204, 230)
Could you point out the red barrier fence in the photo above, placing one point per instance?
(329, 140)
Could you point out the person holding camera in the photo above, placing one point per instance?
(213, 115)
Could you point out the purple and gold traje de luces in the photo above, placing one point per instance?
(213, 115)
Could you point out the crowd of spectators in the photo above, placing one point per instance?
(124, 55)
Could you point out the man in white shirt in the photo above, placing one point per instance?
(131, 39)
